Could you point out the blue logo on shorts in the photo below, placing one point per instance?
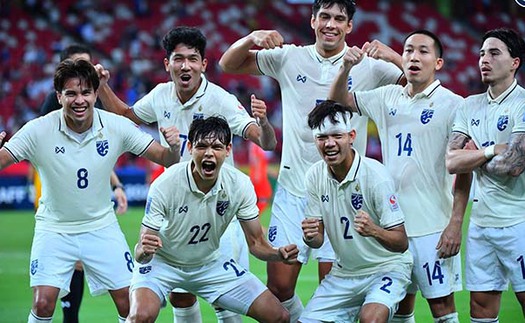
(34, 266)
(102, 147)
(272, 233)
(144, 270)
(222, 206)
(357, 200)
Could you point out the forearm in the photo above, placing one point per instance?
(315, 242)
(509, 159)
(114, 180)
(141, 256)
(170, 156)
(267, 138)
(339, 90)
(235, 56)
(393, 240)
(461, 197)
(263, 251)
(111, 102)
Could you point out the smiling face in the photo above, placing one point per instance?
(420, 61)
(336, 151)
(208, 155)
(495, 62)
(331, 25)
(185, 66)
(77, 99)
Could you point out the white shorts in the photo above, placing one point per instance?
(435, 277)
(104, 254)
(221, 282)
(285, 227)
(339, 299)
(494, 256)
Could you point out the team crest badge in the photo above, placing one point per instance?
(503, 121)
(357, 201)
(34, 266)
(426, 115)
(222, 206)
(144, 270)
(198, 116)
(272, 233)
(349, 83)
(392, 201)
(102, 147)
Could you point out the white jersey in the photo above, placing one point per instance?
(190, 223)
(76, 193)
(305, 78)
(414, 133)
(367, 187)
(163, 106)
(499, 201)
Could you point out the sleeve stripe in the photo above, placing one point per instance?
(12, 155)
(395, 225)
(149, 227)
(250, 219)
(143, 121)
(147, 147)
(357, 105)
(246, 128)
(257, 63)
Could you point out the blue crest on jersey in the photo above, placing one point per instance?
(102, 147)
(426, 115)
(34, 266)
(349, 83)
(148, 205)
(272, 233)
(198, 116)
(222, 206)
(144, 270)
(503, 121)
(357, 200)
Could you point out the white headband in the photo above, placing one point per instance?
(327, 127)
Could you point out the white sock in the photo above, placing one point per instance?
(35, 319)
(225, 316)
(121, 319)
(449, 318)
(494, 320)
(294, 307)
(190, 314)
(404, 318)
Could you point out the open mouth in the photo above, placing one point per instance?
(185, 77)
(414, 69)
(79, 110)
(208, 167)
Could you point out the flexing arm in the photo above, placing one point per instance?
(5, 158)
(378, 50)
(263, 134)
(261, 249)
(162, 155)
(394, 239)
(240, 59)
(511, 160)
(462, 155)
(339, 88)
(109, 99)
(313, 232)
(450, 241)
(149, 243)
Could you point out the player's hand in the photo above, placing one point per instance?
(470, 145)
(150, 243)
(450, 241)
(103, 74)
(121, 199)
(267, 39)
(289, 253)
(2, 137)
(364, 225)
(259, 110)
(353, 56)
(310, 228)
(378, 50)
(171, 134)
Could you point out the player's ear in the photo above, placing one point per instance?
(228, 149)
(189, 146)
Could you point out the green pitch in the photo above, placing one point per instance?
(16, 232)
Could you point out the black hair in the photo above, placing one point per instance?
(328, 108)
(74, 49)
(81, 69)
(437, 43)
(510, 37)
(214, 127)
(189, 36)
(347, 5)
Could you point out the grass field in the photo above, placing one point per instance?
(16, 231)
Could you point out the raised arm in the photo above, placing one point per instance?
(394, 239)
(511, 159)
(339, 88)
(240, 59)
(162, 155)
(377, 50)
(5, 158)
(261, 249)
(109, 99)
(262, 133)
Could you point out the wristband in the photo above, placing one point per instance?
(114, 187)
(489, 151)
